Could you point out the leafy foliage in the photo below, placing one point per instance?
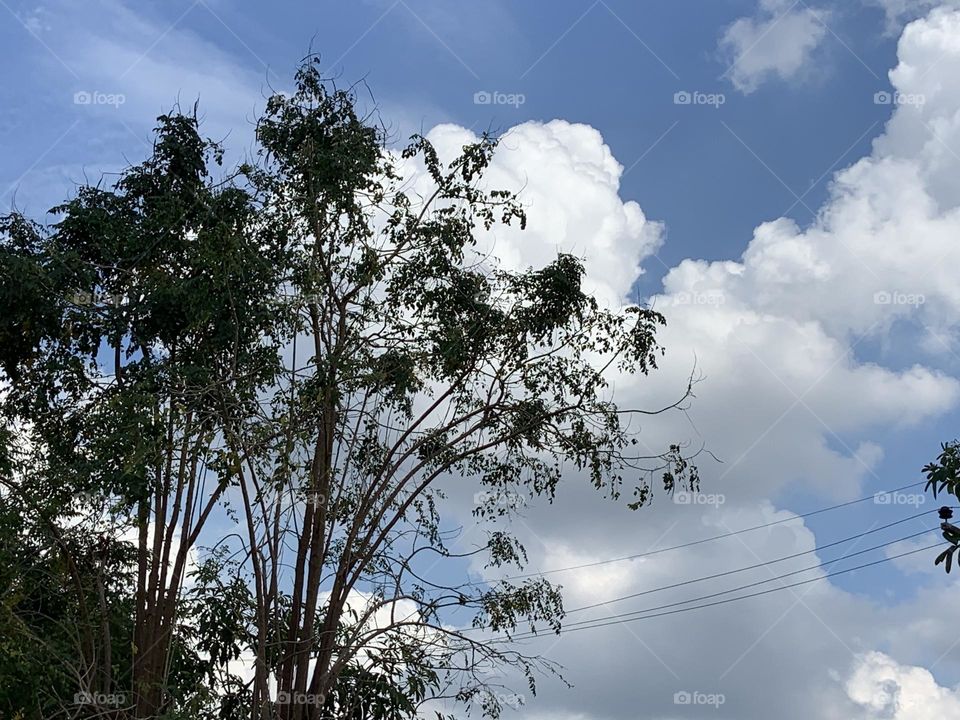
(290, 362)
(942, 475)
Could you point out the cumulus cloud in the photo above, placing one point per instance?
(882, 247)
(779, 329)
(776, 332)
(777, 42)
(750, 656)
(796, 388)
(888, 690)
(569, 185)
(787, 401)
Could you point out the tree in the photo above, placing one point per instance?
(943, 474)
(126, 329)
(304, 350)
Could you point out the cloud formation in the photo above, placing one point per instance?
(788, 400)
(777, 333)
(778, 42)
(887, 690)
(569, 185)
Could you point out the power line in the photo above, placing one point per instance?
(759, 565)
(702, 540)
(763, 564)
(767, 580)
(641, 614)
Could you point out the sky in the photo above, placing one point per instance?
(781, 179)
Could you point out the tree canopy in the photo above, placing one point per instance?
(231, 398)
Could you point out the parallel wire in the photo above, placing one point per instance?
(771, 579)
(643, 614)
(701, 541)
(766, 562)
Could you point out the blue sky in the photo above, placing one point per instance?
(613, 65)
(813, 392)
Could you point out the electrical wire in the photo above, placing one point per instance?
(642, 614)
(692, 543)
(762, 564)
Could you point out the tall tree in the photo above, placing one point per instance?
(126, 330)
(303, 353)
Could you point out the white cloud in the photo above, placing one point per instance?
(776, 332)
(770, 651)
(788, 402)
(778, 42)
(569, 183)
(883, 247)
(890, 691)
(116, 68)
(919, 563)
